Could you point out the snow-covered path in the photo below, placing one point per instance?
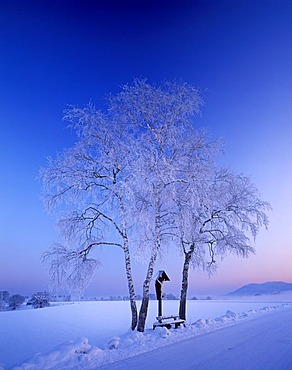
(262, 343)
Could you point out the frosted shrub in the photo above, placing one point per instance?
(15, 301)
(40, 300)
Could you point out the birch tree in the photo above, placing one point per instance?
(89, 181)
(226, 218)
(163, 118)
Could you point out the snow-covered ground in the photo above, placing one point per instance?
(262, 343)
(90, 334)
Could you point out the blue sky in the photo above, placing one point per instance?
(55, 53)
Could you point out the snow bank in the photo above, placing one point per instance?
(66, 356)
(82, 355)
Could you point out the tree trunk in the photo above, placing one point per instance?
(146, 286)
(128, 267)
(145, 300)
(143, 313)
(185, 282)
(131, 289)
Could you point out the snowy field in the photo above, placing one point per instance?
(90, 334)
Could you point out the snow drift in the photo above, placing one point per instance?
(85, 353)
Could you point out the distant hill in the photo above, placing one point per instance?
(273, 287)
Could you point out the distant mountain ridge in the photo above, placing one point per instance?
(271, 287)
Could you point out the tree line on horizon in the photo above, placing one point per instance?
(14, 301)
(43, 299)
(143, 178)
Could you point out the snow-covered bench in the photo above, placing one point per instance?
(168, 321)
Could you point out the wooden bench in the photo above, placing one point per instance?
(168, 321)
